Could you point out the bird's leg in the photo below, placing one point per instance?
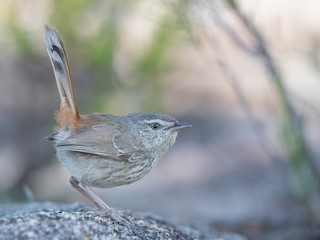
(89, 194)
(93, 197)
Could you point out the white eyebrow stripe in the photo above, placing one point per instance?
(157, 121)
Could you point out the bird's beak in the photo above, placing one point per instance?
(180, 125)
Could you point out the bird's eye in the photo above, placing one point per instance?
(155, 126)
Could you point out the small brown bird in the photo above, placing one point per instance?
(102, 150)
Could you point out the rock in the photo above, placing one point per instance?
(63, 221)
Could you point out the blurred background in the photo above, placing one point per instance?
(245, 73)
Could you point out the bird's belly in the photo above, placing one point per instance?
(122, 174)
(101, 172)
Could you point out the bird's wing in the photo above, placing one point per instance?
(104, 141)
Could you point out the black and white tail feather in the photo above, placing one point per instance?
(59, 61)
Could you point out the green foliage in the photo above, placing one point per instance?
(95, 49)
(65, 15)
(153, 61)
(19, 35)
(98, 49)
(102, 47)
(155, 58)
(233, 4)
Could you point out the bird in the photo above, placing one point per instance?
(103, 150)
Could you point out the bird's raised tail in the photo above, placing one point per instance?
(69, 113)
